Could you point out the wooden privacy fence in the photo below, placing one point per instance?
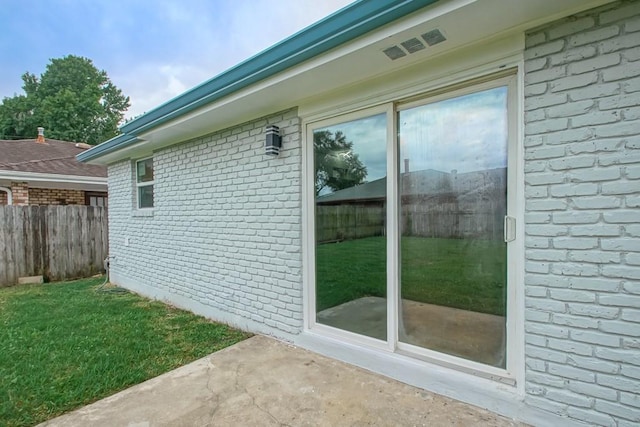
(57, 242)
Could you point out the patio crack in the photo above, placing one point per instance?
(215, 397)
(254, 403)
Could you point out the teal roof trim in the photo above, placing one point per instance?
(341, 27)
(107, 147)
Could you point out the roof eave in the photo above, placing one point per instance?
(106, 147)
(341, 27)
(51, 177)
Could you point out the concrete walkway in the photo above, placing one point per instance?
(264, 382)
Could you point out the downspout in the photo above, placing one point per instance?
(9, 195)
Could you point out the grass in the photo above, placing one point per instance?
(63, 345)
(461, 273)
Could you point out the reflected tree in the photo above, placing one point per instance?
(337, 166)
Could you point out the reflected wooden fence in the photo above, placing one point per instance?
(452, 220)
(57, 242)
(442, 220)
(348, 222)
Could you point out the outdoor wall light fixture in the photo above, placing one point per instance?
(273, 142)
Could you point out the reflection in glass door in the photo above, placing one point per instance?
(453, 188)
(350, 164)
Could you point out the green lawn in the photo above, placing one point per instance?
(64, 345)
(467, 274)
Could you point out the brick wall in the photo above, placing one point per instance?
(20, 193)
(582, 175)
(55, 196)
(225, 227)
(3, 197)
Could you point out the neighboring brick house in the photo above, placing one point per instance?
(45, 172)
(541, 324)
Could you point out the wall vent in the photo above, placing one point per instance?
(433, 37)
(414, 45)
(394, 52)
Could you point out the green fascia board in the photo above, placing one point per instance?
(106, 147)
(339, 28)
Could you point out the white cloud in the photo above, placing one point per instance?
(150, 85)
(217, 39)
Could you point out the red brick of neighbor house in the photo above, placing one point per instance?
(52, 196)
(20, 192)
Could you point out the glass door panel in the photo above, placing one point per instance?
(351, 204)
(453, 188)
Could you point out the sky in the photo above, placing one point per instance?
(153, 50)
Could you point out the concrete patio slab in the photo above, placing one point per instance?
(264, 382)
(471, 335)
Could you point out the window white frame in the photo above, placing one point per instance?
(143, 184)
(515, 208)
(309, 238)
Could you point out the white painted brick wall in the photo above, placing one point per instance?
(582, 178)
(224, 237)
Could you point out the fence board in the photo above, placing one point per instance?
(4, 274)
(57, 242)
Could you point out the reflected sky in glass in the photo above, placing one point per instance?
(369, 137)
(444, 135)
(457, 133)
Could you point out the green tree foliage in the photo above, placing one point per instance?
(337, 166)
(72, 100)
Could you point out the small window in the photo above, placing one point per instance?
(144, 183)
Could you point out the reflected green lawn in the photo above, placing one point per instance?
(460, 273)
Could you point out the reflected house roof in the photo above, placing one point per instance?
(369, 191)
(424, 183)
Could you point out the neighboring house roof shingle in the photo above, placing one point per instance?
(428, 182)
(51, 157)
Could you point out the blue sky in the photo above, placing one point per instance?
(151, 49)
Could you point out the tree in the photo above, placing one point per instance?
(72, 100)
(337, 166)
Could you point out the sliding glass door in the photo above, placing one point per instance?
(453, 200)
(419, 262)
(350, 161)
